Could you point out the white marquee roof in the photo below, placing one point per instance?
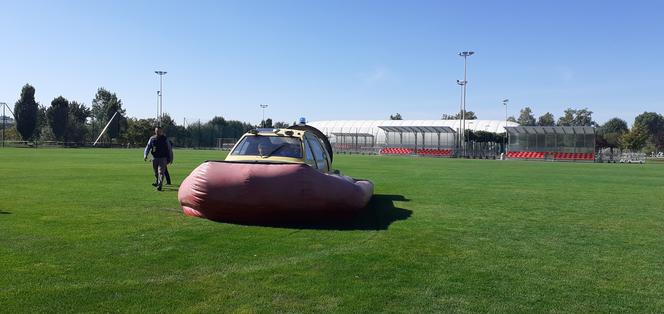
(370, 126)
(417, 129)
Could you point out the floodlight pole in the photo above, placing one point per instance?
(263, 121)
(4, 122)
(160, 112)
(465, 55)
(461, 133)
(157, 116)
(505, 101)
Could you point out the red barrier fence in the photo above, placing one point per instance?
(554, 156)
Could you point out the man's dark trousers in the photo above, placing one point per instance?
(159, 167)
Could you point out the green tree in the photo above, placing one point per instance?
(77, 127)
(169, 126)
(26, 111)
(658, 140)
(653, 124)
(267, 123)
(526, 117)
(584, 117)
(397, 116)
(42, 124)
(104, 106)
(546, 119)
(139, 131)
(182, 137)
(511, 119)
(609, 133)
(57, 116)
(11, 134)
(577, 117)
(206, 134)
(470, 115)
(195, 132)
(484, 137)
(568, 117)
(615, 125)
(635, 140)
(281, 125)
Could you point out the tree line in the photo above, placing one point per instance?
(73, 123)
(570, 117)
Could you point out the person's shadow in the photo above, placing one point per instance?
(171, 187)
(379, 214)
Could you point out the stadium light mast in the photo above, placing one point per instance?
(461, 133)
(160, 112)
(505, 101)
(263, 106)
(465, 55)
(157, 117)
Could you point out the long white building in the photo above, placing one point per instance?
(371, 128)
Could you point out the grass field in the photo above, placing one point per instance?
(82, 230)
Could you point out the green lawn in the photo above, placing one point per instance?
(82, 230)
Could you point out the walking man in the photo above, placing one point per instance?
(166, 174)
(162, 154)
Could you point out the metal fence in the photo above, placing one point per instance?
(555, 139)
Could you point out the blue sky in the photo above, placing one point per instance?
(338, 59)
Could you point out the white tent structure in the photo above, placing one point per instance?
(380, 137)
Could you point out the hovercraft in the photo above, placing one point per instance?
(271, 174)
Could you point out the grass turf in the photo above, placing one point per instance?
(83, 230)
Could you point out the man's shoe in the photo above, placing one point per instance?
(155, 184)
(159, 188)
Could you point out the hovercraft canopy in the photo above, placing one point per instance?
(300, 144)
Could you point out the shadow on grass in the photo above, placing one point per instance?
(2, 212)
(379, 214)
(171, 188)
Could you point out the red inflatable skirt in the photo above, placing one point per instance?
(233, 191)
